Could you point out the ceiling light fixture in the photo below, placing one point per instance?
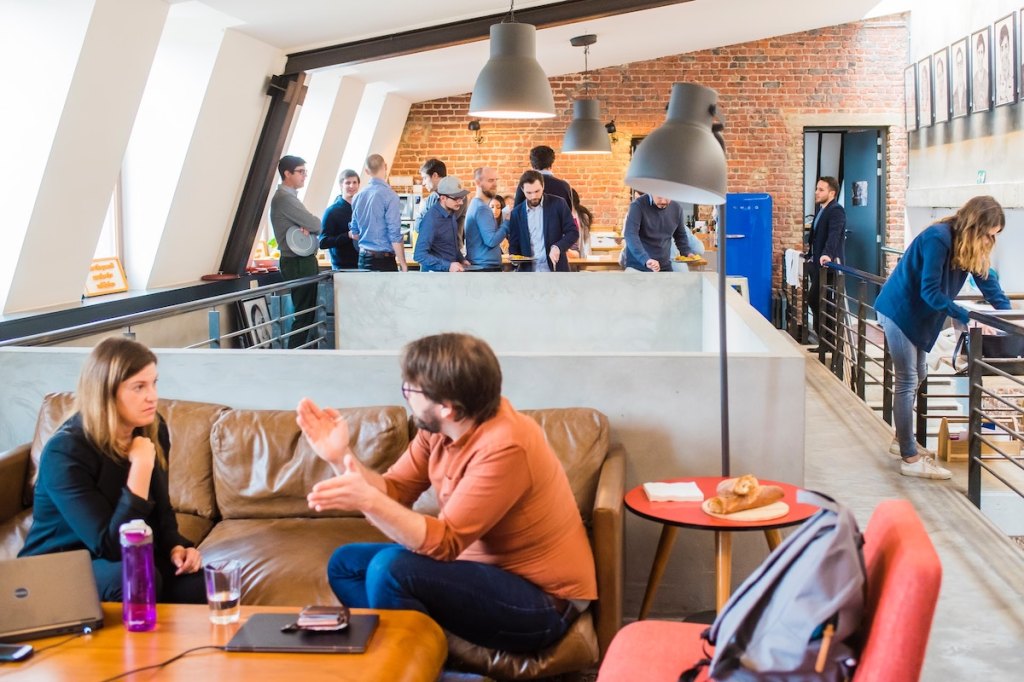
(512, 83)
(684, 160)
(586, 134)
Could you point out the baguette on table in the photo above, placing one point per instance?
(743, 485)
(729, 503)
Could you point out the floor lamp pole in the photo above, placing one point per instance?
(723, 378)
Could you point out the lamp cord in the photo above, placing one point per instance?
(512, 11)
(586, 70)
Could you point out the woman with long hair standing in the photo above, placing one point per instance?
(918, 297)
(107, 465)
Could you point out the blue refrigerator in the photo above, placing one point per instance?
(748, 229)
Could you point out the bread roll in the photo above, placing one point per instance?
(744, 485)
(729, 503)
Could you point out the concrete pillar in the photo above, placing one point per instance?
(85, 157)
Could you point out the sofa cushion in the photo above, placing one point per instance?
(579, 437)
(188, 422)
(284, 561)
(194, 528)
(577, 650)
(264, 468)
(13, 532)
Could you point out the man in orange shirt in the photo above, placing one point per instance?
(506, 564)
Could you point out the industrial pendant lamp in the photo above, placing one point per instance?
(586, 134)
(512, 84)
(684, 160)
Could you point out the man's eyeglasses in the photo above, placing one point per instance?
(406, 390)
(300, 171)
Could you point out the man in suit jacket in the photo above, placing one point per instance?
(542, 158)
(541, 225)
(828, 235)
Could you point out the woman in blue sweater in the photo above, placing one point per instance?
(107, 465)
(918, 297)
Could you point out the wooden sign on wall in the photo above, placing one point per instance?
(106, 276)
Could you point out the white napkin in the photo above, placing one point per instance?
(686, 491)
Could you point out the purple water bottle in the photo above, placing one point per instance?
(138, 576)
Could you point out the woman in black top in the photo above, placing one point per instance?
(107, 465)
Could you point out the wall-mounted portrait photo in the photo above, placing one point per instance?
(910, 95)
(1006, 60)
(981, 70)
(924, 92)
(940, 74)
(958, 77)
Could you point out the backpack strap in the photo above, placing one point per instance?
(690, 674)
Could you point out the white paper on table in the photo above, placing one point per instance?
(686, 491)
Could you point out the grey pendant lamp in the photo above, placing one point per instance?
(586, 134)
(684, 160)
(512, 84)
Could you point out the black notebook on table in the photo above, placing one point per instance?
(263, 632)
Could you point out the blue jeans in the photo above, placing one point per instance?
(910, 369)
(482, 604)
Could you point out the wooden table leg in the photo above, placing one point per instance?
(665, 542)
(774, 538)
(723, 567)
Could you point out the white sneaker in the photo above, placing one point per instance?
(894, 449)
(924, 468)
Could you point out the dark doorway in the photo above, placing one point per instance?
(856, 157)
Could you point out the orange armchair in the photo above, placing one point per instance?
(903, 577)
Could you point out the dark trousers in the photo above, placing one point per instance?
(188, 588)
(304, 297)
(482, 604)
(377, 261)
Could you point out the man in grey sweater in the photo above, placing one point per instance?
(652, 224)
(288, 213)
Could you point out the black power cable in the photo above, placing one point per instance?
(162, 664)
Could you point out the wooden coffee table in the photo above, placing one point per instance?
(407, 647)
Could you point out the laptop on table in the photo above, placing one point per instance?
(48, 595)
(269, 632)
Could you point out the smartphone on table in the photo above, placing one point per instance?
(15, 652)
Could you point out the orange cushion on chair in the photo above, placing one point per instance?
(653, 651)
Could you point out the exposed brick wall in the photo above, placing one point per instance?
(765, 88)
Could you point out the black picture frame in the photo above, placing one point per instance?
(959, 60)
(254, 315)
(910, 95)
(1004, 72)
(940, 88)
(981, 70)
(924, 92)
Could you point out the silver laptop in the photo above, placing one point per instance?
(47, 595)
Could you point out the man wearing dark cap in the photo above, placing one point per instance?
(437, 246)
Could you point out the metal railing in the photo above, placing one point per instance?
(999, 410)
(272, 331)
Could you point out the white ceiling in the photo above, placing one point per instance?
(299, 25)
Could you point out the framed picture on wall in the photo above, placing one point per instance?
(924, 92)
(1006, 60)
(910, 95)
(940, 74)
(981, 70)
(958, 77)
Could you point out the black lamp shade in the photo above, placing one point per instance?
(586, 134)
(683, 160)
(512, 84)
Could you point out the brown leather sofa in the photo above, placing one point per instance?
(239, 480)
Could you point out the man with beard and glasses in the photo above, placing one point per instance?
(506, 563)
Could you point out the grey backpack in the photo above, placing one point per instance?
(798, 616)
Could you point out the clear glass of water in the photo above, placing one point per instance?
(223, 590)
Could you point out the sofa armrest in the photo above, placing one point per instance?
(607, 530)
(13, 474)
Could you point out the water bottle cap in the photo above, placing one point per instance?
(136, 532)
